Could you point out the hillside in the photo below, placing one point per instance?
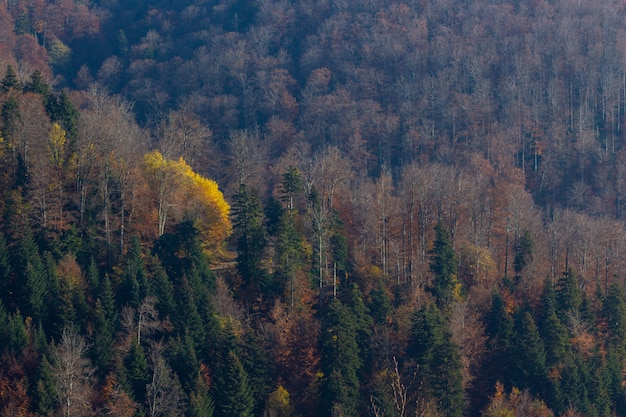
(312, 208)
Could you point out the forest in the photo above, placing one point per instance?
(302, 208)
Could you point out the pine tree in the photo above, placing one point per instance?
(36, 84)
(200, 401)
(499, 330)
(251, 240)
(614, 312)
(164, 291)
(569, 297)
(5, 269)
(137, 375)
(232, 390)
(340, 360)
(523, 252)
(10, 80)
(443, 264)
(551, 329)
(438, 361)
(529, 355)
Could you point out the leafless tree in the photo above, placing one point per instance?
(72, 374)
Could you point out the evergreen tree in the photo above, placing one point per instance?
(551, 329)
(340, 360)
(37, 85)
(232, 390)
(523, 252)
(529, 355)
(5, 269)
(10, 80)
(137, 375)
(438, 361)
(256, 361)
(11, 117)
(184, 361)
(103, 337)
(251, 240)
(614, 312)
(45, 395)
(135, 283)
(443, 264)
(569, 297)
(289, 252)
(200, 401)
(164, 291)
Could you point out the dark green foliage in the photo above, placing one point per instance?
(289, 252)
(232, 390)
(614, 312)
(45, 390)
(251, 240)
(134, 282)
(523, 252)
(104, 333)
(443, 264)
(137, 375)
(569, 297)
(200, 400)
(438, 361)
(552, 330)
(164, 291)
(529, 355)
(291, 187)
(11, 118)
(10, 80)
(17, 335)
(187, 319)
(184, 361)
(5, 269)
(62, 111)
(256, 361)
(380, 304)
(181, 255)
(340, 360)
(36, 84)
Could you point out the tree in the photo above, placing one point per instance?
(340, 360)
(251, 240)
(529, 354)
(164, 395)
(438, 361)
(523, 252)
(446, 286)
(72, 374)
(232, 390)
(137, 376)
(10, 80)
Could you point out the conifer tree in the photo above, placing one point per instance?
(438, 361)
(251, 240)
(340, 360)
(614, 312)
(137, 375)
(569, 297)
(523, 252)
(200, 400)
(232, 390)
(10, 80)
(443, 264)
(529, 355)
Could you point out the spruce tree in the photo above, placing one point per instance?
(137, 375)
(232, 390)
(438, 361)
(443, 264)
(529, 355)
(251, 240)
(340, 360)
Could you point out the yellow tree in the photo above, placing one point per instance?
(180, 193)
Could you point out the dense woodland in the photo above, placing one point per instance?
(307, 208)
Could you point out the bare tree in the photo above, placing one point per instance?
(72, 374)
(164, 395)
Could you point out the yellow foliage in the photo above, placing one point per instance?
(56, 145)
(195, 197)
(278, 403)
